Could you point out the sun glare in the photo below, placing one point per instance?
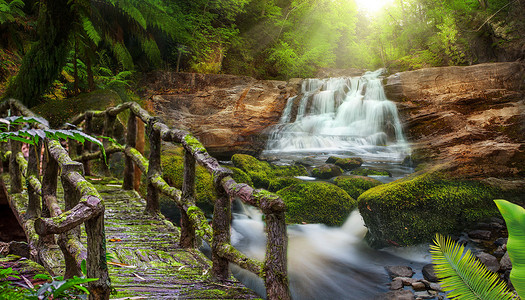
(371, 6)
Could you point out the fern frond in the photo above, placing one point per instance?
(121, 53)
(514, 216)
(90, 30)
(132, 12)
(464, 276)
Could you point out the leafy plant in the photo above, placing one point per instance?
(464, 276)
(32, 136)
(467, 278)
(514, 216)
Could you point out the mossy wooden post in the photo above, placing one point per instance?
(15, 173)
(109, 123)
(96, 263)
(152, 197)
(131, 138)
(187, 234)
(276, 279)
(34, 207)
(140, 147)
(221, 233)
(71, 194)
(88, 119)
(49, 188)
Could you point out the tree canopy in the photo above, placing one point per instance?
(75, 46)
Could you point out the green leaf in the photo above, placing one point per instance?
(514, 216)
(83, 267)
(462, 275)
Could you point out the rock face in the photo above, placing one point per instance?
(228, 114)
(471, 117)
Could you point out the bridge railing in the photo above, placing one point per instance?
(193, 221)
(44, 218)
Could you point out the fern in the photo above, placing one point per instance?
(464, 276)
(90, 30)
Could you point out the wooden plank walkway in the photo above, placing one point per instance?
(161, 270)
(146, 260)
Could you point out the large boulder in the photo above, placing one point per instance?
(228, 114)
(471, 117)
(326, 171)
(411, 210)
(316, 202)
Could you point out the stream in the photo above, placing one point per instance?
(344, 117)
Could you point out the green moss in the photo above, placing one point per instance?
(348, 163)
(368, 172)
(316, 202)
(326, 171)
(262, 172)
(240, 176)
(194, 144)
(411, 210)
(356, 185)
(280, 183)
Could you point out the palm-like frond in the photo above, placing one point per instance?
(514, 216)
(464, 276)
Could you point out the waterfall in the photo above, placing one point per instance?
(350, 115)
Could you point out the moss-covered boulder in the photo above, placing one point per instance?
(326, 171)
(411, 210)
(347, 163)
(261, 172)
(240, 176)
(368, 172)
(356, 185)
(316, 202)
(280, 183)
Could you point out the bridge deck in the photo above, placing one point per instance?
(147, 262)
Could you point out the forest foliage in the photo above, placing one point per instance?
(58, 49)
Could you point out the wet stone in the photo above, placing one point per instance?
(396, 284)
(436, 287)
(489, 261)
(479, 234)
(429, 273)
(424, 295)
(501, 241)
(505, 263)
(419, 286)
(396, 295)
(399, 271)
(408, 281)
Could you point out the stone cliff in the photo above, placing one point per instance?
(472, 118)
(228, 114)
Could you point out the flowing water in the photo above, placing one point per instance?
(347, 117)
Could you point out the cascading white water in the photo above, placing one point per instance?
(350, 115)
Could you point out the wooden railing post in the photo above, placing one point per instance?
(96, 263)
(154, 169)
(15, 173)
(49, 188)
(187, 233)
(131, 139)
(109, 123)
(221, 228)
(87, 145)
(34, 207)
(71, 194)
(275, 267)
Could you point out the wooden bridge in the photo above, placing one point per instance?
(148, 256)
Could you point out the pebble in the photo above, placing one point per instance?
(490, 261)
(419, 286)
(436, 287)
(500, 241)
(396, 284)
(399, 271)
(397, 295)
(407, 281)
(424, 295)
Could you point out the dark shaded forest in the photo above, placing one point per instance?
(57, 49)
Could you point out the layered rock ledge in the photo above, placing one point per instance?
(228, 114)
(470, 117)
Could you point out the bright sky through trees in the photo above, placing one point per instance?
(371, 7)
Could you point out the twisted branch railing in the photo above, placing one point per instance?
(193, 221)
